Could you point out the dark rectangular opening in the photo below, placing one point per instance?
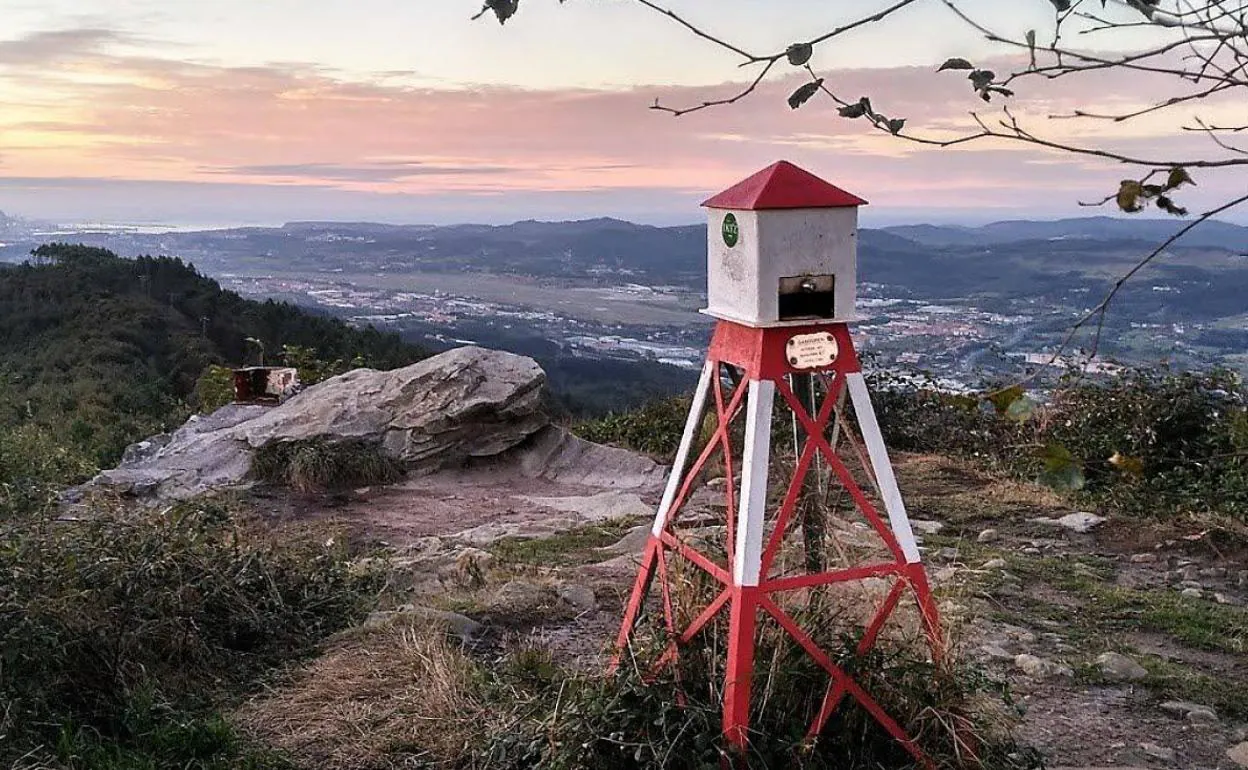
(807, 296)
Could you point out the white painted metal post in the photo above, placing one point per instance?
(882, 466)
(748, 553)
(692, 423)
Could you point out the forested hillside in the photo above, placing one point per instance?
(97, 351)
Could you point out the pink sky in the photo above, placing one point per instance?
(100, 123)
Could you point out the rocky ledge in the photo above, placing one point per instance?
(465, 403)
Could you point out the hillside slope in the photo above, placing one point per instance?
(103, 350)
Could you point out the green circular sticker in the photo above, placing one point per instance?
(731, 231)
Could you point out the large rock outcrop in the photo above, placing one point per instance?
(465, 403)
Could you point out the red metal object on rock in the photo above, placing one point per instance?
(763, 365)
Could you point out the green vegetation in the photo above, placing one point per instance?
(318, 465)
(1146, 441)
(121, 631)
(653, 428)
(100, 351)
(1101, 609)
(575, 546)
(124, 632)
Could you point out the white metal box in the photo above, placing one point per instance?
(782, 250)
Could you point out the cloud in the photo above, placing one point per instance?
(360, 172)
(48, 46)
(157, 120)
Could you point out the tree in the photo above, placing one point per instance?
(1194, 52)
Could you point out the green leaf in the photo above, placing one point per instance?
(1170, 207)
(981, 79)
(1128, 197)
(503, 9)
(1021, 410)
(1061, 5)
(855, 110)
(1127, 464)
(1002, 399)
(956, 63)
(1062, 471)
(1178, 176)
(799, 53)
(895, 125)
(1031, 46)
(803, 93)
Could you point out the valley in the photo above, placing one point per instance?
(965, 304)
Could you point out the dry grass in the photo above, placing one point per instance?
(391, 696)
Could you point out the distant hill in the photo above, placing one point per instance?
(105, 350)
(1220, 235)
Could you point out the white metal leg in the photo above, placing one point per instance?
(692, 423)
(882, 466)
(748, 552)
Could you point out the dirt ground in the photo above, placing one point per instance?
(1170, 597)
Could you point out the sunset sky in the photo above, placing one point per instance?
(230, 112)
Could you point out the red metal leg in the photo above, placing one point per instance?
(740, 665)
(927, 611)
(641, 587)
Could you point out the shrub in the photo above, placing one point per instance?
(959, 717)
(318, 465)
(165, 608)
(1150, 441)
(653, 428)
(214, 388)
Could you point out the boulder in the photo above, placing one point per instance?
(469, 402)
(1238, 754)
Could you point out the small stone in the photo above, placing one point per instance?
(581, 597)
(1031, 550)
(1191, 572)
(1144, 558)
(1020, 635)
(1039, 668)
(1081, 522)
(1191, 593)
(994, 564)
(1216, 573)
(1117, 667)
(1202, 716)
(1181, 708)
(1242, 580)
(1191, 584)
(1158, 752)
(521, 596)
(944, 575)
(467, 629)
(948, 554)
(1238, 754)
(634, 542)
(988, 536)
(1224, 599)
(926, 526)
(996, 652)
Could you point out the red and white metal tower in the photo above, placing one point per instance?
(781, 280)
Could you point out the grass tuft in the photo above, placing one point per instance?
(317, 465)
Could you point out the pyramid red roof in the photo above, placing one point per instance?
(782, 186)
